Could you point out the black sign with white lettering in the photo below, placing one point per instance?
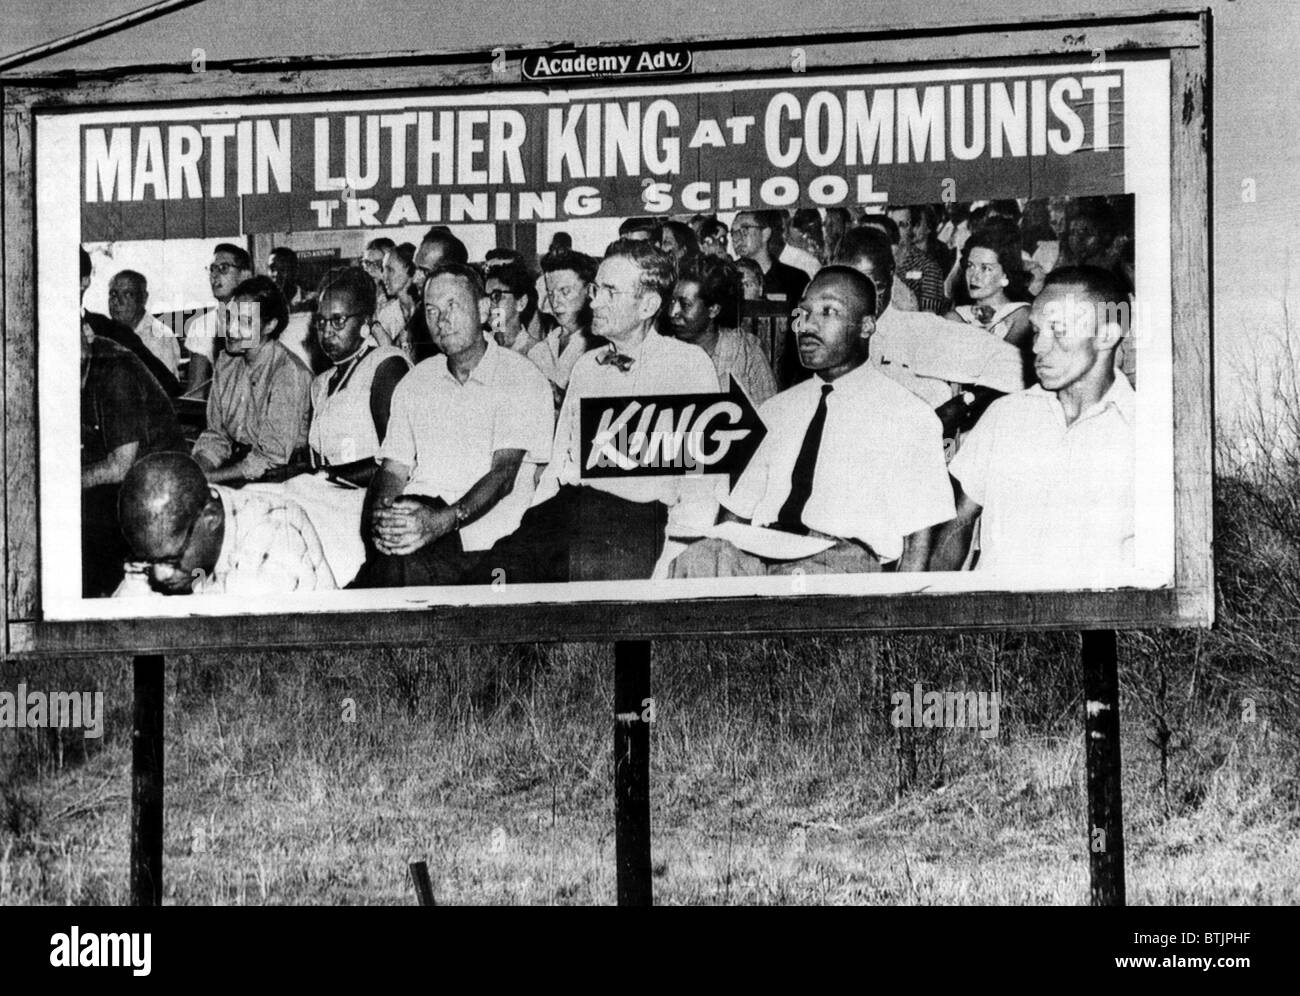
(662, 435)
(595, 63)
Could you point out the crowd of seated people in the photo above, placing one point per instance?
(937, 367)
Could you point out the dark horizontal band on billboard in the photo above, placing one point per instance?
(575, 622)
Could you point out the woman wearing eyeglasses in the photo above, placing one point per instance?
(996, 281)
(260, 399)
(350, 401)
(513, 318)
(393, 323)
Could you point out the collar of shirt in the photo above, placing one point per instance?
(553, 338)
(645, 348)
(484, 371)
(1119, 395)
(229, 533)
(860, 380)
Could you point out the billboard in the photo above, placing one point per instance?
(648, 479)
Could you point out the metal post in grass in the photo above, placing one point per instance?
(632, 772)
(1105, 809)
(147, 781)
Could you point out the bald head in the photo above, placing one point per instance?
(160, 497)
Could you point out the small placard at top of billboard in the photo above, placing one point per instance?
(598, 63)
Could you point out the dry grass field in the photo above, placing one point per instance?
(776, 776)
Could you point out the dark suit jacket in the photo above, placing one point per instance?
(106, 328)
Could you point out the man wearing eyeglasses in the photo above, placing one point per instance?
(230, 267)
(607, 528)
(351, 401)
(468, 429)
(756, 235)
(197, 538)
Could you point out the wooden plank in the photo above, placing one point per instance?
(4, 503)
(599, 621)
(21, 574)
(1192, 333)
(865, 46)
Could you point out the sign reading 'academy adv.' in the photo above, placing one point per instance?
(581, 64)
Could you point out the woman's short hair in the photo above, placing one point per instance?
(684, 236)
(576, 262)
(271, 305)
(718, 280)
(1002, 237)
(519, 282)
(406, 253)
(350, 280)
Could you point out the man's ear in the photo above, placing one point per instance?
(868, 328)
(1109, 335)
(484, 309)
(714, 311)
(650, 304)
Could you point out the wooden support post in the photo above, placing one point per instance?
(632, 772)
(147, 781)
(423, 887)
(1105, 809)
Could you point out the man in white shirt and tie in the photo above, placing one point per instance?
(613, 528)
(849, 457)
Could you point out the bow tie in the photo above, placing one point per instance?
(983, 313)
(612, 355)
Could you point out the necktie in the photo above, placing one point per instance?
(790, 517)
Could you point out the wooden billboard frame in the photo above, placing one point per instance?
(1182, 36)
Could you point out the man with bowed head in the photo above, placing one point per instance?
(203, 538)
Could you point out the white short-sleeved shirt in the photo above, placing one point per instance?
(661, 365)
(269, 547)
(1055, 497)
(446, 432)
(927, 354)
(556, 363)
(880, 468)
(161, 341)
(201, 332)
